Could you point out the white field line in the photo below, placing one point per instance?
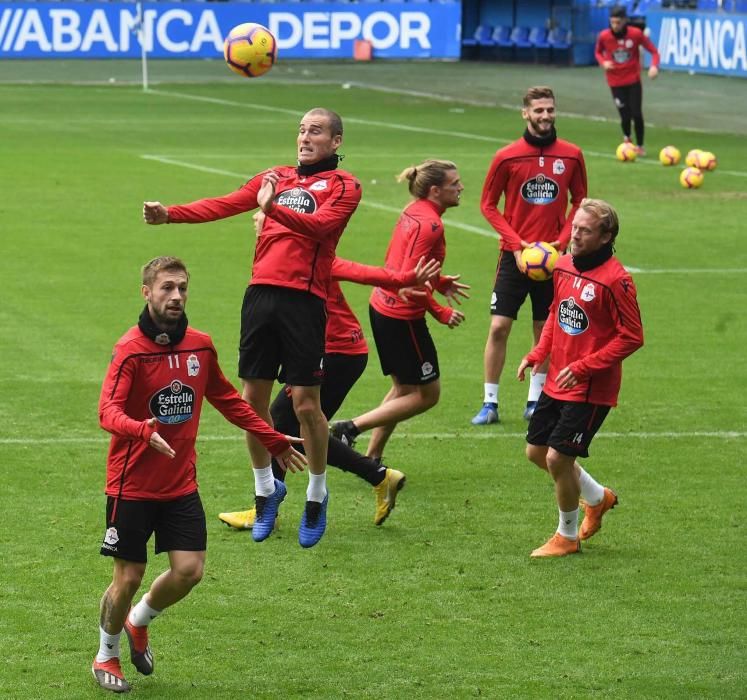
(455, 224)
(664, 435)
(392, 125)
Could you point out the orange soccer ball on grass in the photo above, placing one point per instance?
(250, 50)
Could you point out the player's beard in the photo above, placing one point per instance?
(541, 127)
(164, 321)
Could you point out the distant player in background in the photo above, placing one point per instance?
(406, 350)
(618, 53)
(283, 314)
(594, 324)
(345, 359)
(536, 175)
(151, 400)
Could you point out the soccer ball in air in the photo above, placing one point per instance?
(691, 159)
(669, 155)
(706, 161)
(626, 152)
(539, 260)
(691, 178)
(250, 50)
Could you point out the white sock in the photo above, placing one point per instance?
(536, 382)
(591, 491)
(491, 393)
(317, 489)
(108, 645)
(264, 481)
(568, 524)
(142, 614)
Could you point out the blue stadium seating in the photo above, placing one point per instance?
(559, 38)
(520, 38)
(708, 4)
(482, 34)
(502, 37)
(538, 38)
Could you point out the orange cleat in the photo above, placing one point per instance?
(141, 654)
(592, 521)
(557, 546)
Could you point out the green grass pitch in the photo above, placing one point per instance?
(443, 600)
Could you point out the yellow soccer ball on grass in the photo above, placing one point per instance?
(691, 159)
(669, 155)
(691, 178)
(626, 152)
(706, 161)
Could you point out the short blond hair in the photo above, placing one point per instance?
(605, 215)
(163, 263)
(422, 177)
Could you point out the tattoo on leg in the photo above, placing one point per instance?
(107, 608)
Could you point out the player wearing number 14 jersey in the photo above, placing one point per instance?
(536, 176)
(594, 324)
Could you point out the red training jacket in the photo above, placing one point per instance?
(147, 380)
(594, 324)
(298, 240)
(536, 182)
(419, 233)
(344, 334)
(625, 53)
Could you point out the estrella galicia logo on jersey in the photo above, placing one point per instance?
(620, 55)
(298, 199)
(540, 190)
(174, 403)
(571, 317)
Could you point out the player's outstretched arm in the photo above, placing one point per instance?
(155, 213)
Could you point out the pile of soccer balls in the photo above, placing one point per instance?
(697, 161)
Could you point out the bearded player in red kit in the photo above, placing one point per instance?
(594, 324)
(618, 52)
(151, 400)
(536, 175)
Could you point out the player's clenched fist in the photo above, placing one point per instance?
(155, 213)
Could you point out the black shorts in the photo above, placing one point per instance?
(282, 334)
(628, 99)
(511, 289)
(179, 526)
(406, 349)
(566, 426)
(341, 372)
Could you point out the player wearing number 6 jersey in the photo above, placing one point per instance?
(594, 324)
(536, 176)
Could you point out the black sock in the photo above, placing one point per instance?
(343, 457)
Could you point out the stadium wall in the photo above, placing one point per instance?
(196, 29)
(700, 42)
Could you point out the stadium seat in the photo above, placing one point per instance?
(708, 4)
(538, 38)
(740, 6)
(482, 34)
(559, 38)
(502, 36)
(520, 38)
